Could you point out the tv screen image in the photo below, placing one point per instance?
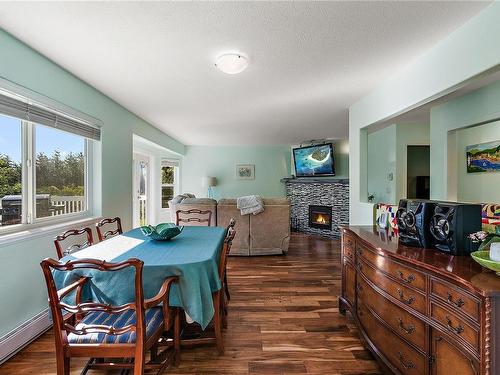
(314, 160)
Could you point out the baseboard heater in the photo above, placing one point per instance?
(19, 337)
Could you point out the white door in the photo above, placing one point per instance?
(141, 190)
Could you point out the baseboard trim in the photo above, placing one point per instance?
(13, 341)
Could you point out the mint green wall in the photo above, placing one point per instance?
(382, 162)
(469, 51)
(272, 163)
(407, 135)
(387, 153)
(448, 179)
(477, 187)
(23, 286)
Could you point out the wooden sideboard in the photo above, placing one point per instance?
(418, 310)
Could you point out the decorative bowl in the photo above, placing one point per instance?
(162, 232)
(483, 258)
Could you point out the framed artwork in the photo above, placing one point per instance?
(483, 157)
(245, 172)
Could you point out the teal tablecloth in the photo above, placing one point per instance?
(193, 256)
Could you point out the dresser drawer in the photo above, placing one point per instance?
(348, 246)
(456, 326)
(456, 298)
(405, 275)
(402, 356)
(405, 324)
(411, 298)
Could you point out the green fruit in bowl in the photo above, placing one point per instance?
(162, 232)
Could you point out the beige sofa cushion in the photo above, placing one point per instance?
(270, 230)
(262, 234)
(226, 210)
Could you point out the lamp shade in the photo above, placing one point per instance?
(208, 181)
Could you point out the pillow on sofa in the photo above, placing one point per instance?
(179, 198)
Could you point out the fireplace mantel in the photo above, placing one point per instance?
(315, 180)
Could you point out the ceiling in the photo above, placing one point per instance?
(309, 61)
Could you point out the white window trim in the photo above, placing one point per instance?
(40, 226)
(29, 222)
(175, 185)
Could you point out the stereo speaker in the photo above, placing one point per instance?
(412, 217)
(450, 225)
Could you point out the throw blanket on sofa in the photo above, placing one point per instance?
(250, 204)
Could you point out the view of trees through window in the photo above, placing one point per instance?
(59, 162)
(60, 172)
(167, 185)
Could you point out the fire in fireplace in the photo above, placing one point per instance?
(320, 217)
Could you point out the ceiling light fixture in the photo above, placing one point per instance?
(231, 63)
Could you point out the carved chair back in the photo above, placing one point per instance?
(193, 216)
(73, 240)
(57, 303)
(109, 227)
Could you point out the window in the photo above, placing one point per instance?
(11, 176)
(60, 172)
(43, 164)
(169, 181)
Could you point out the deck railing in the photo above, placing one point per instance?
(67, 204)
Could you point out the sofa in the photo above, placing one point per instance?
(190, 203)
(267, 233)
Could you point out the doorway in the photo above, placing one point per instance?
(418, 172)
(141, 190)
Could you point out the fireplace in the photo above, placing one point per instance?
(320, 217)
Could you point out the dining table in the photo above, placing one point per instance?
(193, 256)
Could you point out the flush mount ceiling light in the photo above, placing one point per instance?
(231, 63)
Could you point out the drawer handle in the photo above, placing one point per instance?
(359, 251)
(359, 287)
(408, 301)
(459, 303)
(449, 324)
(406, 365)
(408, 280)
(409, 330)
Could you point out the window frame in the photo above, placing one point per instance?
(176, 185)
(28, 183)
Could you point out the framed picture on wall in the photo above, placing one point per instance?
(483, 157)
(245, 172)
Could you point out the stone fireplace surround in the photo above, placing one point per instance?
(303, 192)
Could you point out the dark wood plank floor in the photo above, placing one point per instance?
(283, 319)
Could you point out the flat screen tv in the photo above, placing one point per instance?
(316, 160)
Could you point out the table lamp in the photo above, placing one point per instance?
(209, 182)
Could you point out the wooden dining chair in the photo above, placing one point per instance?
(231, 232)
(231, 225)
(73, 240)
(114, 226)
(193, 216)
(218, 320)
(104, 332)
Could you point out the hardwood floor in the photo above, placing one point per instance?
(283, 319)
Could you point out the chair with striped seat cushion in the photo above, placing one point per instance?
(113, 337)
(153, 318)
